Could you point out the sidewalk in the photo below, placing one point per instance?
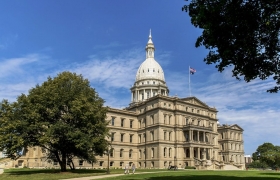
(109, 175)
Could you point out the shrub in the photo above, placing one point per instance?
(190, 167)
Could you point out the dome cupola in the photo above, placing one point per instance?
(149, 79)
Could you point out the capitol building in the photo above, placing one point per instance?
(158, 131)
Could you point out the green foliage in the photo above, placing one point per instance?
(64, 115)
(257, 164)
(243, 34)
(190, 167)
(268, 154)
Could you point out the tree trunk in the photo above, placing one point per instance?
(63, 162)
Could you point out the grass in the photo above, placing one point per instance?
(52, 174)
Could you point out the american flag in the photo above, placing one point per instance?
(192, 70)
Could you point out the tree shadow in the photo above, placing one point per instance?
(212, 177)
(53, 171)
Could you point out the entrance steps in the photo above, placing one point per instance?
(230, 167)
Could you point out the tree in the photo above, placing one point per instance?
(64, 116)
(268, 154)
(240, 33)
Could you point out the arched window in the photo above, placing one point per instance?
(170, 152)
(152, 152)
(169, 138)
(164, 152)
(130, 153)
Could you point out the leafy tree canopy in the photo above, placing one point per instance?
(268, 154)
(241, 33)
(64, 116)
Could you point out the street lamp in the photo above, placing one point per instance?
(108, 153)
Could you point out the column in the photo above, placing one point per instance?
(137, 98)
(198, 153)
(197, 135)
(190, 134)
(132, 96)
(151, 93)
(203, 136)
(191, 152)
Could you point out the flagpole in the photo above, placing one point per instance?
(190, 81)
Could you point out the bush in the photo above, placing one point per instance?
(190, 167)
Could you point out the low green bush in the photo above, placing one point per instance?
(190, 167)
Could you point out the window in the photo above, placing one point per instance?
(148, 82)
(164, 119)
(121, 164)
(139, 137)
(192, 110)
(121, 153)
(186, 108)
(140, 154)
(139, 164)
(122, 122)
(148, 69)
(101, 163)
(112, 136)
(148, 94)
(164, 152)
(142, 96)
(113, 121)
(170, 152)
(152, 119)
(152, 152)
(154, 93)
(197, 111)
(130, 153)
(122, 137)
(112, 152)
(131, 123)
(164, 104)
(81, 162)
(169, 119)
(153, 70)
(55, 162)
(154, 82)
(152, 135)
(144, 137)
(130, 138)
(169, 138)
(112, 163)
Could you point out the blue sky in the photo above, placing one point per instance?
(105, 42)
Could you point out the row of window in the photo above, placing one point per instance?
(122, 122)
(122, 137)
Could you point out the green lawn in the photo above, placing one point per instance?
(31, 174)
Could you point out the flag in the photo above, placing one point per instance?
(192, 70)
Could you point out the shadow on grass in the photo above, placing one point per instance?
(210, 177)
(52, 171)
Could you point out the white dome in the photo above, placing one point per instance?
(150, 69)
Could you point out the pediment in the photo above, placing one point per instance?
(236, 127)
(195, 101)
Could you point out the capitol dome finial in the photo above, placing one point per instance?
(150, 36)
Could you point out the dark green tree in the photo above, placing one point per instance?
(63, 116)
(240, 33)
(268, 154)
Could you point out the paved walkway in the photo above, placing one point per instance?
(108, 176)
